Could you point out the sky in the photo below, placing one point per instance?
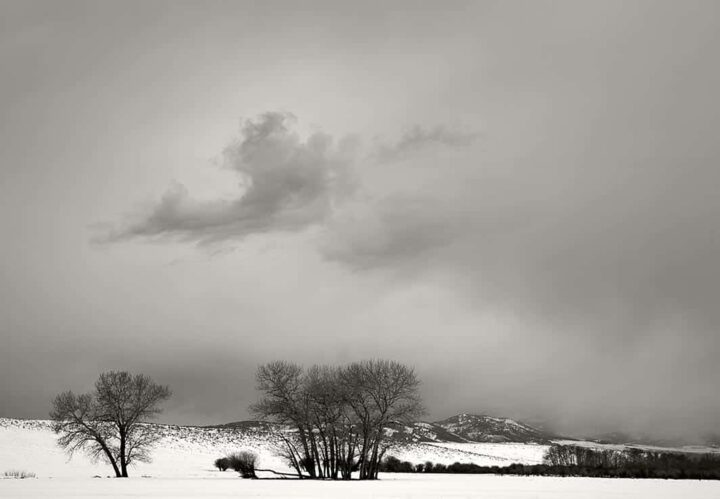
(518, 199)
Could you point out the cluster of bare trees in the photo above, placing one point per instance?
(108, 422)
(576, 460)
(577, 455)
(335, 417)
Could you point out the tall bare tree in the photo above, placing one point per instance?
(285, 402)
(76, 418)
(109, 422)
(379, 392)
(337, 415)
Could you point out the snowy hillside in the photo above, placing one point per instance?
(460, 428)
(184, 451)
(188, 451)
(490, 429)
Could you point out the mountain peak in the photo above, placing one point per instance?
(484, 428)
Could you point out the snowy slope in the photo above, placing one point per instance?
(187, 451)
(476, 428)
(460, 428)
(184, 451)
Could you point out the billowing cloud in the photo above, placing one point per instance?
(286, 184)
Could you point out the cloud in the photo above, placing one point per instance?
(619, 248)
(287, 184)
(612, 268)
(419, 138)
(602, 260)
(389, 232)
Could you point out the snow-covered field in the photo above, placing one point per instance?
(389, 486)
(182, 467)
(482, 454)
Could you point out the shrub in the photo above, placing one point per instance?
(222, 463)
(392, 464)
(439, 468)
(244, 463)
(18, 474)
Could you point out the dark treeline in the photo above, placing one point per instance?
(336, 416)
(572, 460)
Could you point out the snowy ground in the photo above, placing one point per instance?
(395, 486)
(182, 467)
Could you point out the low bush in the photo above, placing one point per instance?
(222, 463)
(244, 463)
(18, 474)
(392, 464)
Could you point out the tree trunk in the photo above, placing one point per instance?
(294, 455)
(317, 461)
(380, 457)
(363, 456)
(109, 455)
(308, 454)
(123, 459)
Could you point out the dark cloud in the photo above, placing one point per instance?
(287, 184)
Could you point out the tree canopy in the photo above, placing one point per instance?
(108, 423)
(337, 415)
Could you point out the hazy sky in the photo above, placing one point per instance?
(518, 198)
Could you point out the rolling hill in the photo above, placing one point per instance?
(457, 429)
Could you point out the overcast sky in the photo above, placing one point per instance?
(520, 199)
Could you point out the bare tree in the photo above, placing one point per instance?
(76, 418)
(287, 401)
(109, 423)
(379, 392)
(334, 418)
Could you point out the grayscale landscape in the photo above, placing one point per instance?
(401, 248)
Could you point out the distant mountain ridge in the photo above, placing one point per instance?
(463, 428)
(482, 428)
